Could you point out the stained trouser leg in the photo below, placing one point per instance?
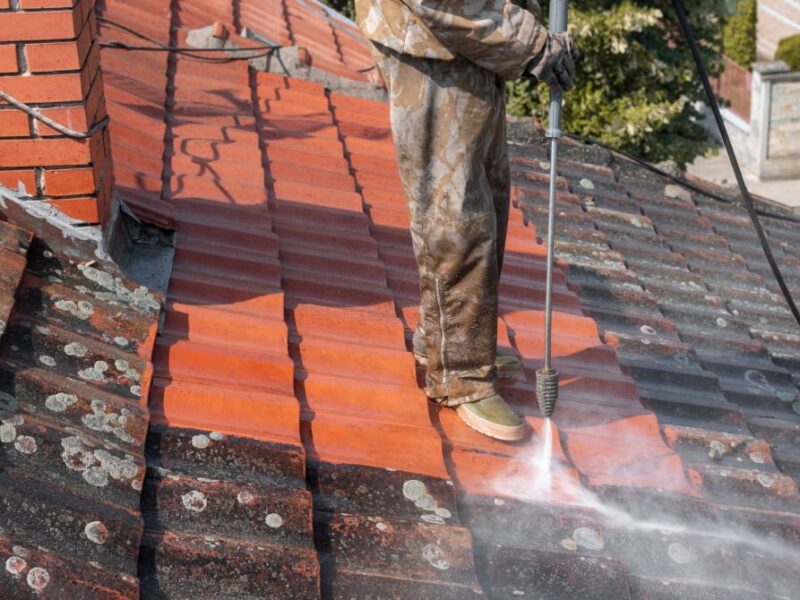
(444, 123)
(498, 172)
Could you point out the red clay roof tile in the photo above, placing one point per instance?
(284, 400)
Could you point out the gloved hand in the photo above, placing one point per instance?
(555, 64)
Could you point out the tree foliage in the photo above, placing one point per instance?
(789, 51)
(739, 33)
(346, 7)
(636, 83)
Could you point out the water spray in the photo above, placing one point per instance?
(547, 376)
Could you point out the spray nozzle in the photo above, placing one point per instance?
(546, 390)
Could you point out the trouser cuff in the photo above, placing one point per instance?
(476, 391)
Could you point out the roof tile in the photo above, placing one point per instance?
(287, 421)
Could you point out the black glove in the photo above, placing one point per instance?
(555, 64)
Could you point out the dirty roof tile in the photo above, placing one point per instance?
(286, 419)
(74, 371)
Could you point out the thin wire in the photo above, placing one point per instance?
(185, 51)
(748, 201)
(188, 52)
(62, 129)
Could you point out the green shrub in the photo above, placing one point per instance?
(789, 51)
(739, 34)
(346, 7)
(636, 83)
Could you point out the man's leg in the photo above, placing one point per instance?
(499, 175)
(498, 172)
(444, 120)
(507, 362)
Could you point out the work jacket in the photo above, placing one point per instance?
(500, 35)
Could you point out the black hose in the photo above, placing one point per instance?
(748, 201)
(196, 53)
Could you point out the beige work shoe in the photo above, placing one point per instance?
(494, 418)
(508, 364)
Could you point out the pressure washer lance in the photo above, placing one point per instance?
(547, 376)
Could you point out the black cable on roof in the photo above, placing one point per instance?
(195, 53)
(748, 201)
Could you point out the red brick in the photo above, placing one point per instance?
(74, 118)
(11, 179)
(69, 182)
(8, 59)
(82, 209)
(95, 100)
(58, 87)
(4, 5)
(14, 123)
(61, 56)
(32, 26)
(43, 152)
(37, 4)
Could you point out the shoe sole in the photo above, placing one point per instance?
(515, 373)
(504, 433)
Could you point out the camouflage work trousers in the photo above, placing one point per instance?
(449, 130)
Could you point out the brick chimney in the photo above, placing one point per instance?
(49, 59)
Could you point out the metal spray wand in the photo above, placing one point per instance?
(547, 376)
